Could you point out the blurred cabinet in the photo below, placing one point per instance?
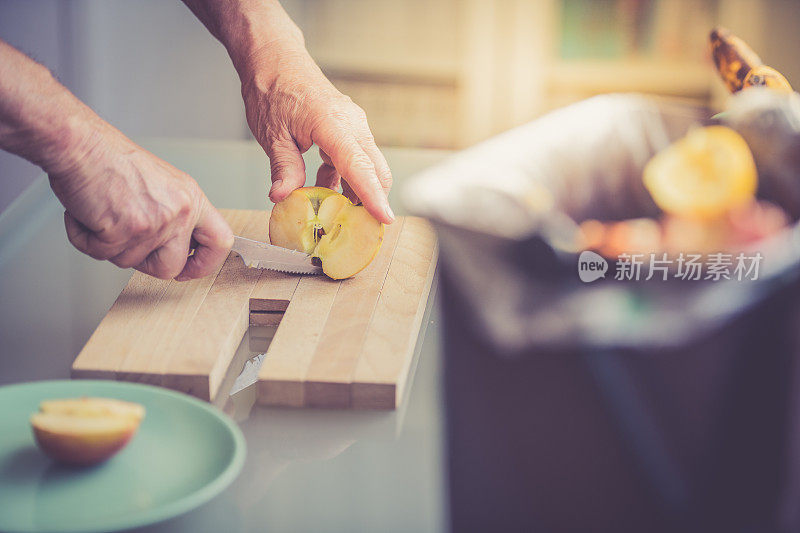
(448, 73)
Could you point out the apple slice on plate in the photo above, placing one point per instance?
(344, 237)
(85, 431)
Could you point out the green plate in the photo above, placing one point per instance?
(185, 453)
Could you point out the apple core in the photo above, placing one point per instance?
(343, 237)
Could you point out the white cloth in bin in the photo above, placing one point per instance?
(492, 202)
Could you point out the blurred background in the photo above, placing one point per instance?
(429, 73)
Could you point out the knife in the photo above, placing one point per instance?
(249, 374)
(257, 254)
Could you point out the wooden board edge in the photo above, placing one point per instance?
(403, 380)
(147, 378)
(375, 396)
(280, 393)
(197, 385)
(86, 373)
(330, 394)
(361, 395)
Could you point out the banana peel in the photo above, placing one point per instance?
(764, 76)
(740, 67)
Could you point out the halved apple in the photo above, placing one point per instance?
(85, 431)
(344, 237)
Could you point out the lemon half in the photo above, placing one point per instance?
(703, 175)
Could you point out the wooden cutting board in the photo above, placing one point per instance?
(338, 343)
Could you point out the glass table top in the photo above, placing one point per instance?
(306, 469)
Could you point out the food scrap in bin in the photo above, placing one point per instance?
(704, 183)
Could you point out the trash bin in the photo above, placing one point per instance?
(612, 405)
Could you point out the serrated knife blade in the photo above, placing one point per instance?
(257, 254)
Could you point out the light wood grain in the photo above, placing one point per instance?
(121, 328)
(148, 359)
(272, 289)
(382, 370)
(272, 293)
(283, 373)
(211, 339)
(127, 326)
(331, 371)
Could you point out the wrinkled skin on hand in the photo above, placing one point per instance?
(127, 206)
(121, 202)
(290, 106)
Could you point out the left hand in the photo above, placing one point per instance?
(290, 106)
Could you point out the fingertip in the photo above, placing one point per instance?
(276, 187)
(276, 197)
(190, 271)
(281, 189)
(382, 214)
(227, 240)
(203, 262)
(213, 230)
(155, 266)
(377, 204)
(389, 214)
(287, 168)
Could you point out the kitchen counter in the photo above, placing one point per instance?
(306, 469)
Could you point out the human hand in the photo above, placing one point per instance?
(122, 203)
(127, 206)
(291, 105)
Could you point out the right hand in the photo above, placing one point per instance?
(290, 106)
(122, 203)
(127, 206)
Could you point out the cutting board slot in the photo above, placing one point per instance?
(265, 318)
(260, 338)
(267, 312)
(259, 305)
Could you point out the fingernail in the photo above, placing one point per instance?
(389, 213)
(182, 277)
(275, 186)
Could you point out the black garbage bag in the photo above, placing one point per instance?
(612, 405)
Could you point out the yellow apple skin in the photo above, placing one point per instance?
(85, 431)
(325, 224)
(82, 450)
